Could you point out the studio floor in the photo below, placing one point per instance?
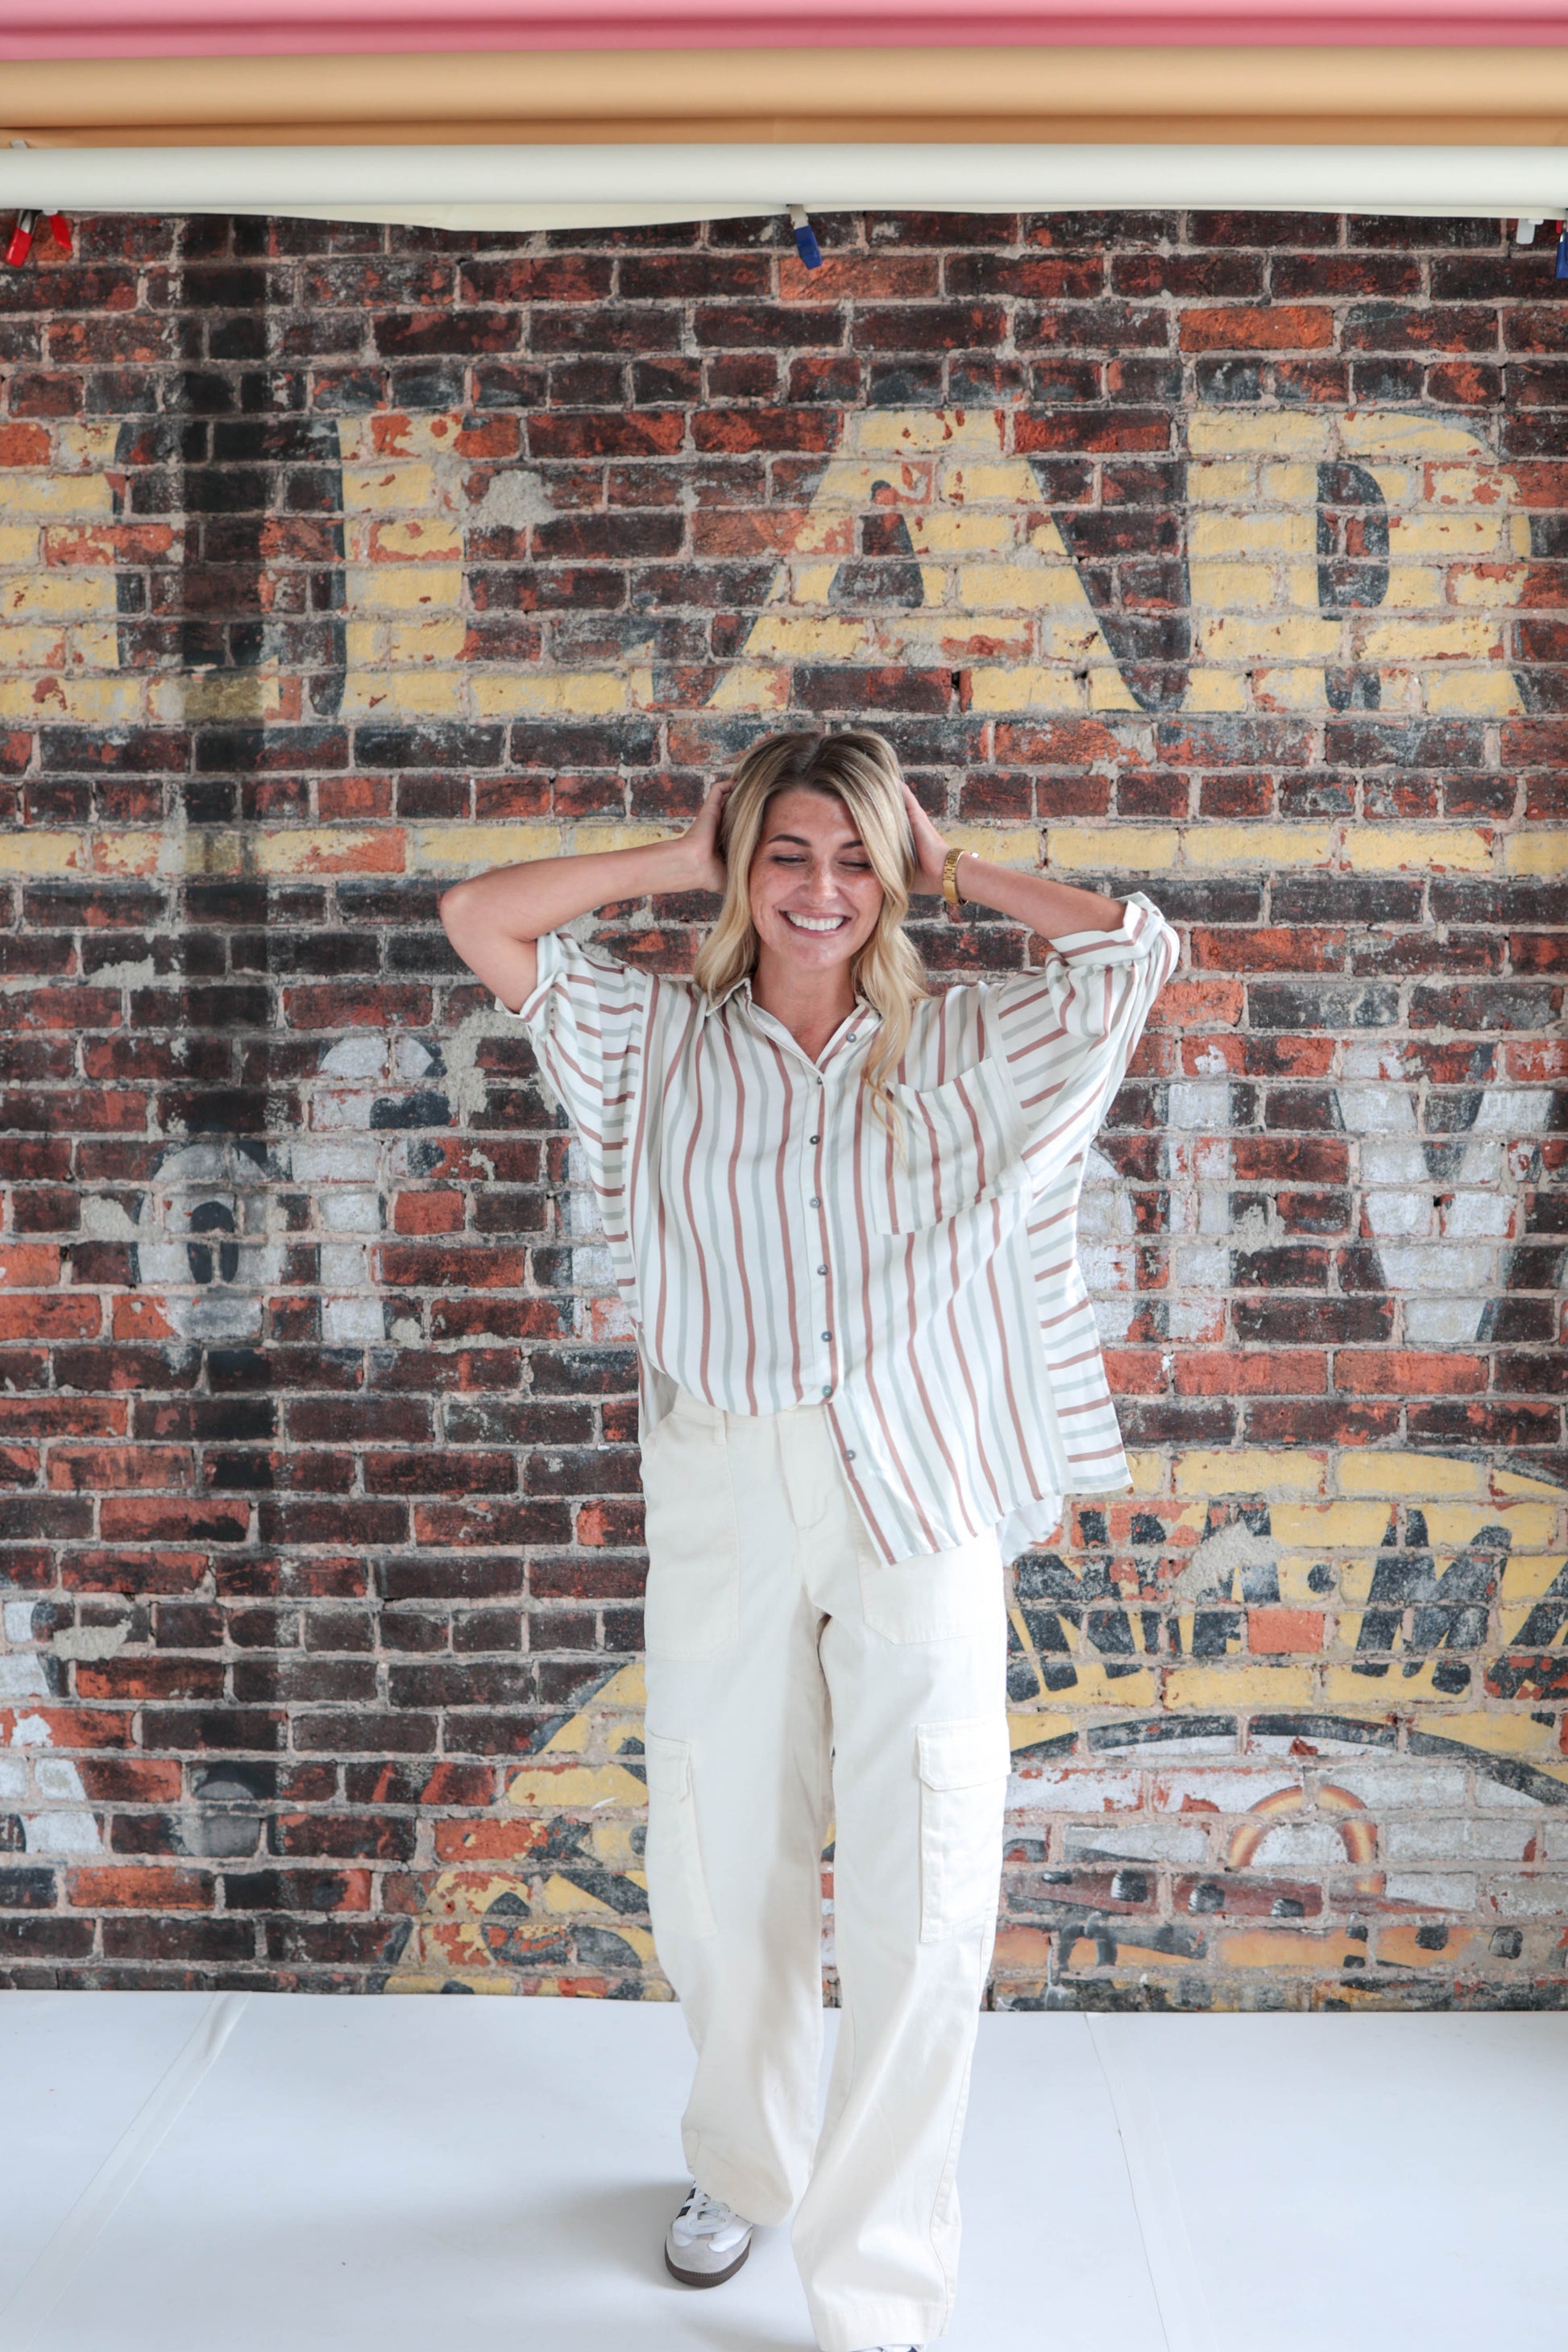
(267, 2174)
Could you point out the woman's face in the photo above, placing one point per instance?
(814, 899)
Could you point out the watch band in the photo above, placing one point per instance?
(949, 889)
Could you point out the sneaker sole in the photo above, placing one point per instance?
(705, 2278)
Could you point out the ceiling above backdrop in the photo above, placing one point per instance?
(541, 112)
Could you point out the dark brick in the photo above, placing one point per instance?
(27, 1890)
(1326, 1006)
(1344, 898)
(1396, 327)
(1314, 1321)
(1529, 1005)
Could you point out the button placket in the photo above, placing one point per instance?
(836, 1408)
(830, 1386)
(828, 1370)
(811, 1174)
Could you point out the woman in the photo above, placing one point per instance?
(841, 1213)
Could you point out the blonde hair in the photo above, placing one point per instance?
(862, 770)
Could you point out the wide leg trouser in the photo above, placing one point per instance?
(794, 1678)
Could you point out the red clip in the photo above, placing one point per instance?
(21, 243)
(60, 230)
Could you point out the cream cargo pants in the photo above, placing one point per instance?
(794, 1679)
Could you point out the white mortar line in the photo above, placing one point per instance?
(1178, 2285)
(46, 2281)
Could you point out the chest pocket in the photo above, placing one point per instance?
(964, 1144)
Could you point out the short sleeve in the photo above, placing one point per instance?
(587, 1018)
(1067, 1031)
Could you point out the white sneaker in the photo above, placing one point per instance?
(708, 2240)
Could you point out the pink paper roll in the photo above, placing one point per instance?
(43, 29)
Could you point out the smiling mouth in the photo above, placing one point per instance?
(815, 923)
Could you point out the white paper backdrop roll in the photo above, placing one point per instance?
(475, 186)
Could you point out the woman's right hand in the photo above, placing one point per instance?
(700, 843)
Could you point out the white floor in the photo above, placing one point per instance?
(294, 2175)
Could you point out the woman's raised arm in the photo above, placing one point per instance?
(494, 920)
(1054, 909)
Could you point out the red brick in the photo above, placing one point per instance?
(29, 1266)
(1272, 1630)
(1094, 432)
(153, 1519)
(98, 1469)
(1295, 947)
(1406, 1371)
(428, 1212)
(25, 445)
(73, 1727)
(127, 1887)
(109, 543)
(1252, 1372)
(1198, 1004)
(129, 1780)
(134, 1677)
(71, 1416)
(1284, 328)
(406, 1266)
(1290, 1160)
(509, 1838)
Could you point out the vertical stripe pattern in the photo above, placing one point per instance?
(775, 1249)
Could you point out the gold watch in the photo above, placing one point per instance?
(950, 890)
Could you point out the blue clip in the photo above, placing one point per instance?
(1561, 269)
(805, 243)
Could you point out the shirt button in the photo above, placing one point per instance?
(822, 1269)
(813, 1202)
(813, 1139)
(827, 1335)
(826, 1389)
(849, 1453)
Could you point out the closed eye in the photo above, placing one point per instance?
(785, 857)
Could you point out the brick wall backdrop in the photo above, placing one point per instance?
(1223, 556)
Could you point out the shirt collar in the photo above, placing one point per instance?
(743, 989)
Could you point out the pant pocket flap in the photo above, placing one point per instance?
(963, 1755)
(669, 1763)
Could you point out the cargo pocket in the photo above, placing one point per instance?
(963, 1771)
(691, 1602)
(676, 1889)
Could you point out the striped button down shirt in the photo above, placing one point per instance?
(776, 1249)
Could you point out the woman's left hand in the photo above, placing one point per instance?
(930, 849)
